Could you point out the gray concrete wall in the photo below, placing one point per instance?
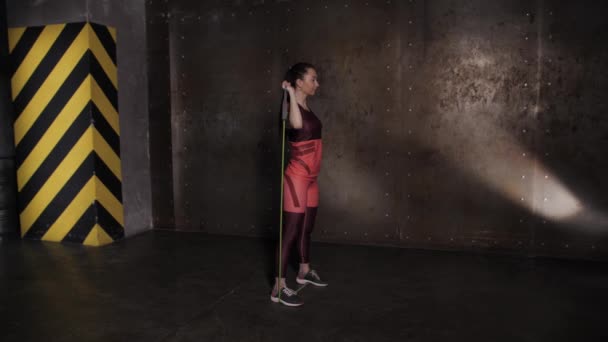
(225, 128)
(468, 125)
(45, 12)
(159, 107)
(9, 222)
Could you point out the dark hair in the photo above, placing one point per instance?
(297, 71)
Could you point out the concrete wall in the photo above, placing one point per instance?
(159, 107)
(44, 12)
(9, 223)
(449, 125)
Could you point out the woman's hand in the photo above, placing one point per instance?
(287, 86)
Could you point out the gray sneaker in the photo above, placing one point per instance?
(288, 297)
(311, 278)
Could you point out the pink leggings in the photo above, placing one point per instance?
(300, 204)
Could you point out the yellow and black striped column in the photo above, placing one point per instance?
(65, 93)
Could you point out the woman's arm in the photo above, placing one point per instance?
(295, 116)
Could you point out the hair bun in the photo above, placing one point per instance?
(297, 71)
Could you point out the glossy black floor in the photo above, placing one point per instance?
(165, 286)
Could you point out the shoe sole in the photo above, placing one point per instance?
(277, 300)
(304, 282)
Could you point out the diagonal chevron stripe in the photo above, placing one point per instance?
(22, 46)
(104, 82)
(82, 228)
(106, 131)
(57, 203)
(106, 221)
(102, 57)
(75, 109)
(78, 209)
(41, 71)
(54, 158)
(57, 180)
(107, 177)
(109, 202)
(68, 205)
(14, 35)
(105, 107)
(112, 33)
(39, 51)
(105, 38)
(105, 152)
(48, 116)
(47, 90)
(97, 237)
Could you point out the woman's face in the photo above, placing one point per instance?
(308, 84)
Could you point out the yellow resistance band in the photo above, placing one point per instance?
(284, 117)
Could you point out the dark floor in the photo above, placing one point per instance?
(164, 286)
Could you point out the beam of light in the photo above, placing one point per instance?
(469, 133)
(478, 145)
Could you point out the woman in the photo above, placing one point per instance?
(301, 197)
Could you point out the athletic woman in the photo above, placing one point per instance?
(301, 195)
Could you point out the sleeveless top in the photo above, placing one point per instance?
(306, 146)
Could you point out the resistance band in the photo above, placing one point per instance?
(285, 112)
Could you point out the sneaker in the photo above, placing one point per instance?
(311, 278)
(288, 297)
